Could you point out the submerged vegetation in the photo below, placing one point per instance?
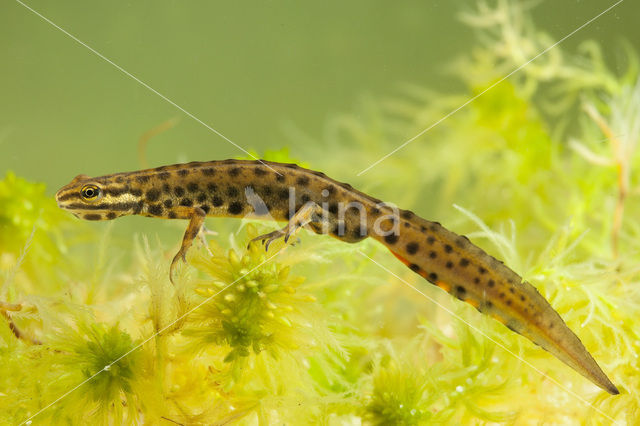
(317, 333)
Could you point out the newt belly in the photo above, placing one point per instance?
(305, 198)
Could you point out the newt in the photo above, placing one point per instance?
(310, 199)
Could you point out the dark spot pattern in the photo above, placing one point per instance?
(111, 215)
(431, 240)
(464, 262)
(212, 187)
(433, 277)
(168, 203)
(235, 208)
(433, 254)
(92, 216)
(449, 264)
(302, 180)
(333, 208)
(142, 178)
(259, 171)
(192, 187)
(234, 172)
(155, 209)
(407, 214)
(114, 191)
(138, 207)
(172, 215)
(183, 172)
(391, 238)
(448, 248)
(179, 191)
(412, 247)
(186, 202)
(217, 201)
(414, 267)
(208, 171)
(164, 175)
(153, 195)
(233, 192)
(202, 198)
(360, 231)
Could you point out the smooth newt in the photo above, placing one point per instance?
(306, 198)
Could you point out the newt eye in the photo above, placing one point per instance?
(90, 192)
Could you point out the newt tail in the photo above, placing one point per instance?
(454, 264)
(306, 198)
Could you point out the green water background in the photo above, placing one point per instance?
(250, 70)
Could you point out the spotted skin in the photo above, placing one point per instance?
(287, 192)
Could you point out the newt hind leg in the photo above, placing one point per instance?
(309, 214)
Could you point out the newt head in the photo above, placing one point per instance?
(94, 199)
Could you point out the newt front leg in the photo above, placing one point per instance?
(196, 218)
